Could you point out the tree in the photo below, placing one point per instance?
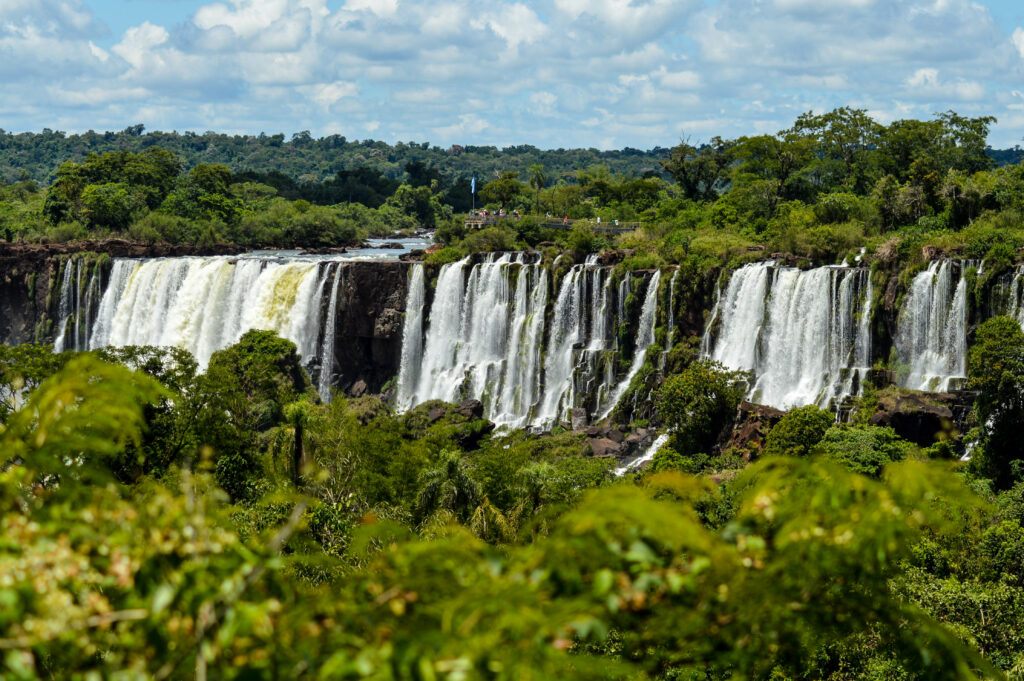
(698, 171)
(798, 432)
(447, 486)
(996, 371)
(503, 190)
(297, 414)
(697, 404)
(537, 180)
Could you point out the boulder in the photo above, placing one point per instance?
(603, 448)
(918, 418)
(578, 417)
(358, 389)
(471, 409)
(753, 421)
(434, 414)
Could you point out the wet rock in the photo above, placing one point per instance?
(435, 414)
(388, 323)
(603, 448)
(358, 389)
(471, 409)
(753, 421)
(919, 418)
(578, 417)
(414, 255)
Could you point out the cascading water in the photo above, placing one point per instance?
(484, 337)
(1015, 300)
(412, 340)
(487, 330)
(931, 339)
(203, 305)
(644, 339)
(795, 331)
(671, 334)
(327, 344)
(76, 305)
(64, 308)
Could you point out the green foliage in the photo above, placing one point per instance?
(861, 448)
(996, 370)
(697, 404)
(799, 431)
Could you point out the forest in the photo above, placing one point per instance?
(171, 517)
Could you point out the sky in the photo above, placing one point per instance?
(552, 73)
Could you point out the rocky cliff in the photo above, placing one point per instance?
(368, 323)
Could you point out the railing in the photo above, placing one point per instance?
(614, 227)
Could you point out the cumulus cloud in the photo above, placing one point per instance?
(554, 73)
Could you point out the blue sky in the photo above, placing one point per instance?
(554, 73)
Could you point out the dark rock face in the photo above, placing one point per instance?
(916, 417)
(368, 327)
(471, 409)
(603, 448)
(753, 421)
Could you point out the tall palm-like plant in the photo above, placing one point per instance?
(537, 180)
(447, 486)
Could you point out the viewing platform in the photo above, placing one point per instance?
(479, 221)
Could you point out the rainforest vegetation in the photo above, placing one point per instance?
(159, 522)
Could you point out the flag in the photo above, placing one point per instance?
(472, 185)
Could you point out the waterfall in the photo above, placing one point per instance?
(75, 306)
(64, 307)
(566, 332)
(412, 339)
(796, 332)
(646, 456)
(483, 340)
(671, 333)
(931, 337)
(644, 339)
(205, 304)
(706, 339)
(489, 337)
(327, 345)
(1015, 302)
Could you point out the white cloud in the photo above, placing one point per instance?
(1018, 40)
(139, 41)
(549, 72)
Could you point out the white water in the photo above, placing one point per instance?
(327, 344)
(412, 340)
(205, 304)
(648, 455)
(931, 339)
(644, 339)
(671, 333)
(489, 338)
(795, 331)
(76, 305)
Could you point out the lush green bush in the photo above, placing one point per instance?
(861, 448)
(697, 404)
(798, 432)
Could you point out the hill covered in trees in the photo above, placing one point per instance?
(303, 158)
